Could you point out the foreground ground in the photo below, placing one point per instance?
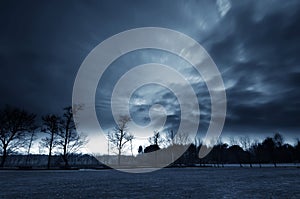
(166, 183)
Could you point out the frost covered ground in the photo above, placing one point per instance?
(166, 183)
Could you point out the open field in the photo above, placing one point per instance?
(166, 183)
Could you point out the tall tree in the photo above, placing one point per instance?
(219, 152)
(237, 152)
(51, 124)
(269, 148)
(170, 138)
(131, 146)
(120, 135)
(32, 137)
(154, 142)
(258, 151)
(155, 139)
(246, 144)
(278, 141)
(14, 127)
(182, 139)
(69, 140)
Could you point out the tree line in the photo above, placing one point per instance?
(19, 129)
(242, 150)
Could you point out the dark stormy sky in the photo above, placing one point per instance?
(255, 45)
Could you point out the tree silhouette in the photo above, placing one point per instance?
(269, 147)
(120, 135)
(182, 139)
(237, 152)
(219, 152)
(32, 137)
(272, 147)
(68, 140)
(257, 149)
(246, 144)
(278, 140)
(170, 137)
(17, 130)
(51, 127)
(15, 125)
(155, 139)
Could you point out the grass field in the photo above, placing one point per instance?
(166, 183)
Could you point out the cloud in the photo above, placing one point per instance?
(255, 45)
(223, 7)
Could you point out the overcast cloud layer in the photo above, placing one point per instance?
(255, 45)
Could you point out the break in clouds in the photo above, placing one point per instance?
(255, 45)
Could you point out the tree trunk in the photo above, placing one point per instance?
(29, 147)
(49, 158)
(3, 157)
(131, 148)
(65, 158)
(259, 160)
(250, 162)
(65, 155)
(50, 150)
(119, 158)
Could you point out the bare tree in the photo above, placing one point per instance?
(197, 141)
(131, 146)
(278, 139)
(51, 127)
(154, 145)
(69, 140)
(246, 144)
(120, 135)
(233, 141)
(182, 139)
(220, 148)
(172, 141)
(170, 138)
(32, 137)
(155, 139)
(14, 127)
(257, 149)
